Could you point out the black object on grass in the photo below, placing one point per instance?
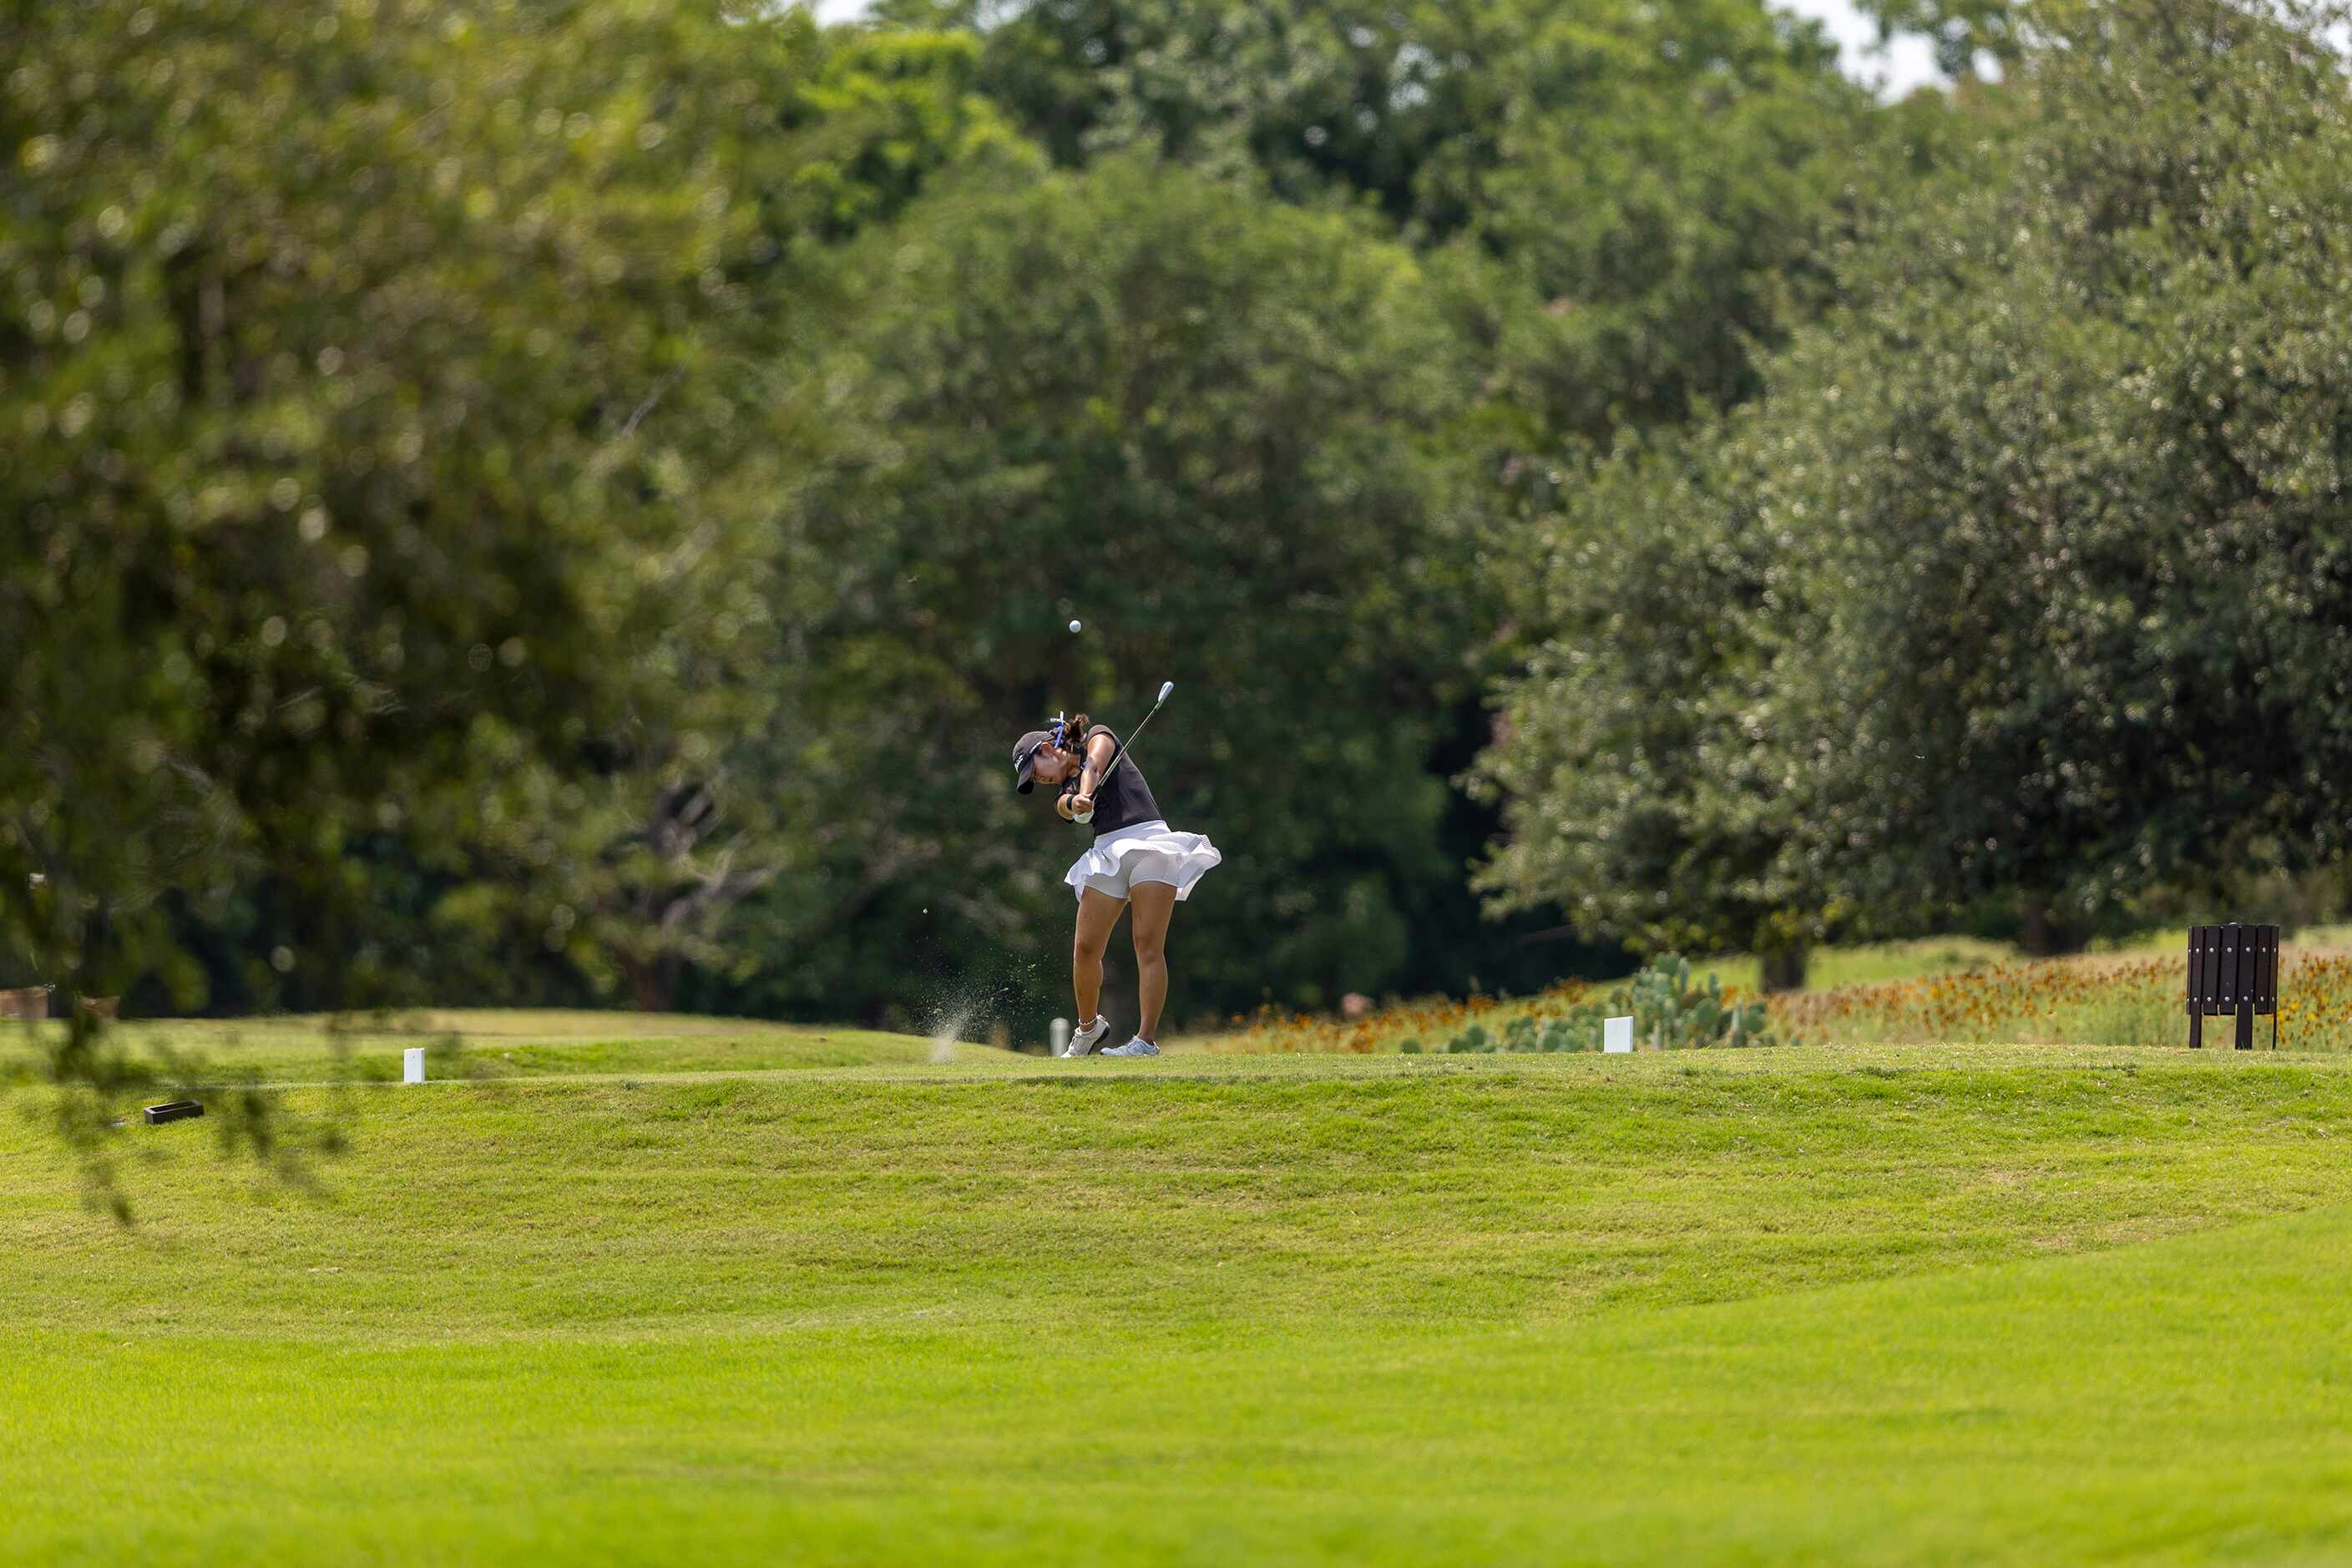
(2233, 969)
(174, 1110)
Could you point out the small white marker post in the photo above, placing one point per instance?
(1617, 1036)
(412, 1065)
(1060, 1032)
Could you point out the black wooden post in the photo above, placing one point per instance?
(2266, 999)
(2196, 988)
(2238, 968)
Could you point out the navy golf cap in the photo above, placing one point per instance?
(1024, 757)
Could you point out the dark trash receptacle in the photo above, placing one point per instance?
(2232, 970)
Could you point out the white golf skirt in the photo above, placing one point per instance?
(1143, 852)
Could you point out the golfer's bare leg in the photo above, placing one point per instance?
(1098, 912)
(1153, 903)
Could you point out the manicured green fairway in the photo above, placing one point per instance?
(1915, 1306)
(501, 1043)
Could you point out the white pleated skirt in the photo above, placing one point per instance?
(1143, 852)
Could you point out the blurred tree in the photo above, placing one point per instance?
(2051, 600)
(1215, 430)
(2067, 489)
(1618, 204)
(705, 801)
(1965, 34)
(567, 888)
(1640, 789)
(360, 369)
(886, 111)
(1629, 189)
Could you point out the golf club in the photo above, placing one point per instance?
(1127, 747)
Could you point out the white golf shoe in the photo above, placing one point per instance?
(1087, 1038)
(1137, 1046)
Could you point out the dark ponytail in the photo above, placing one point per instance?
(1073, 738)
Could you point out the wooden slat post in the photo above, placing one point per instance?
(2238, 967)
(2268, 1002)
(2196, 988)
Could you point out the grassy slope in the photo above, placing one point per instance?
(1768, 1307)
(490, 1042)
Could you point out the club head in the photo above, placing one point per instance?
(1165, 688)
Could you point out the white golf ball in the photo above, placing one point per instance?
(1073, 625)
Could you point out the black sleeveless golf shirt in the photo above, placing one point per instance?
(1121, 799)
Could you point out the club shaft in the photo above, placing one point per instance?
(1127, 747)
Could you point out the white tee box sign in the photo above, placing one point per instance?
(1616, 1035)
(412, 1065)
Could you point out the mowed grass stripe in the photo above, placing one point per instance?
(1775, 1306)
(496, 1042)
(2184, 1401)
(1509, 1195)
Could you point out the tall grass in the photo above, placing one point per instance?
(1430, 1021)
(2102, 1000)
(2090, 1001)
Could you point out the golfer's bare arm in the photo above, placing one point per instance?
(1099, 752)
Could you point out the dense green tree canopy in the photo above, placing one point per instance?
(2072, 489)
(1641, 179)
(1965, 34)
(2050, 513)
(550, 500)
(1643, 796)
(364, 377)
(1214, 431)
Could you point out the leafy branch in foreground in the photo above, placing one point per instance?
(373, 449)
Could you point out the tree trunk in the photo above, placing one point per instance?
(1784, 968)
(653, 982)
(2045, 936)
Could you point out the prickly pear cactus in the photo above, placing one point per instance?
(1671, 1013)
(1470, 1041)
(1565, 1035)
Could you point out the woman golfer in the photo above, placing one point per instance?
(1136, 859)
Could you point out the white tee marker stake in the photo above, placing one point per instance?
(1617, 1036)
(412, 1065)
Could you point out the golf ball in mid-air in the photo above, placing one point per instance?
(1074, 625)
